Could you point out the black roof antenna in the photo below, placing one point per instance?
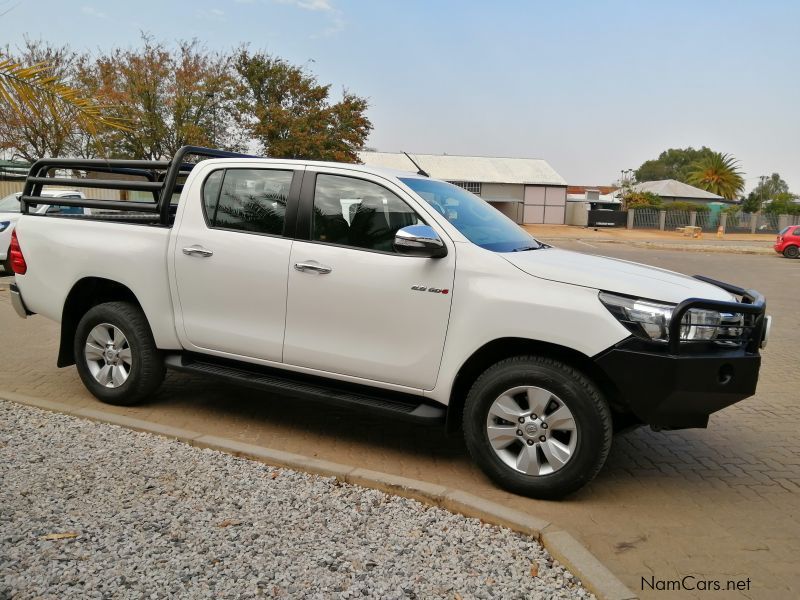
(420, 170)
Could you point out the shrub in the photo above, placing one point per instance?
(642, 200)
(688, 206)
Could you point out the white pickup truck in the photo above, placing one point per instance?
(378, 290)
(9, 215)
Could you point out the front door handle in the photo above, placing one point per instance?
(197, 251)
(314, 266)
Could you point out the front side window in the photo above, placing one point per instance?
(252, 200)
(477, 221)
(354, 212)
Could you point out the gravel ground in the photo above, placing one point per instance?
(97, 511)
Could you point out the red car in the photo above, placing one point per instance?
(788, 242)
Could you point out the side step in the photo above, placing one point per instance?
(389, 403)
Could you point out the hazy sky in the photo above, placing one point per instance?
(593, 87)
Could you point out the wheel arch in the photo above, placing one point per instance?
(85, 294)
(502, 348)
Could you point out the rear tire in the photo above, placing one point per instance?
(537, 426)
(116, 356)
(791, 252)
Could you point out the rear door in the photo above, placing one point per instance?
(231, 259)
(355, 307)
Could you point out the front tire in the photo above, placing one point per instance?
(116, 356)
(791, 252)
(537, 427)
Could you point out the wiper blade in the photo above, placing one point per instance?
(525, 248)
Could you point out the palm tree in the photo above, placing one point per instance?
(33, 89)
(719, 174)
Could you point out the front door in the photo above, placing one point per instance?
(356, 307)
(231, 262)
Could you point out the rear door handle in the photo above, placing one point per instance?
(314, 266)
(197, 251)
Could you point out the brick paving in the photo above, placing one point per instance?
(721, 503)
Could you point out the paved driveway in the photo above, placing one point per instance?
(722, 503)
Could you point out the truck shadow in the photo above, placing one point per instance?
(697, 459)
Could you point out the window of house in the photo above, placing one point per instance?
(470, 186)
(252, 200)
(354, 212)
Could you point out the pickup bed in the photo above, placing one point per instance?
(377, 290)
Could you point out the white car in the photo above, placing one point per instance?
(384, 291)
(9, 213)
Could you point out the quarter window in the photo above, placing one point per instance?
(252, 200)
(354, 212)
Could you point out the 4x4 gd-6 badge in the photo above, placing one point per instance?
(422, 288)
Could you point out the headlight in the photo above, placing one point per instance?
(4, 225)
(650, 320)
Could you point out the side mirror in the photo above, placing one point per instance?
(419, 240)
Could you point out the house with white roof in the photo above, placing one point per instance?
(528, 190)
(672, 190)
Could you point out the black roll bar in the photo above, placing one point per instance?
(753, 303)
(160, 178)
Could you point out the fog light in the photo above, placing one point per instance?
(725, 374)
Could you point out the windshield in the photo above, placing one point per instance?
(477, 221)
(10, 203)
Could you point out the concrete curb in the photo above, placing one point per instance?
(562, 546)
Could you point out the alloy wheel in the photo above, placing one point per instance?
(532, 430)
(108, 355)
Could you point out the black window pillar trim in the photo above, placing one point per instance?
(290, 222)
(305, 206)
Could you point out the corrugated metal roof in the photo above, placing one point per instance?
(670, 188)
(484, 169)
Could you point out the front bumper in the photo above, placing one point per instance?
(678, 385)
(17, 302)
(675, 392)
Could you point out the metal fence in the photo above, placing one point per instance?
(760, 223)
(645, 218)
(739, 222)
(707, 220)
(676, 218)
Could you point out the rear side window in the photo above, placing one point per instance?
(252, 200)
(354, 212)
(797, 231)
(66, 210)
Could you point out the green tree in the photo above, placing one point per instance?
(719, 174)
(290, 115)
(674, 163)
(44, 112)
(170, 97)
(768, 188)
(783, 203)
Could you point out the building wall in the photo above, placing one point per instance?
(545, 204)
(502, 191)
(491, 192)
(577, 213)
